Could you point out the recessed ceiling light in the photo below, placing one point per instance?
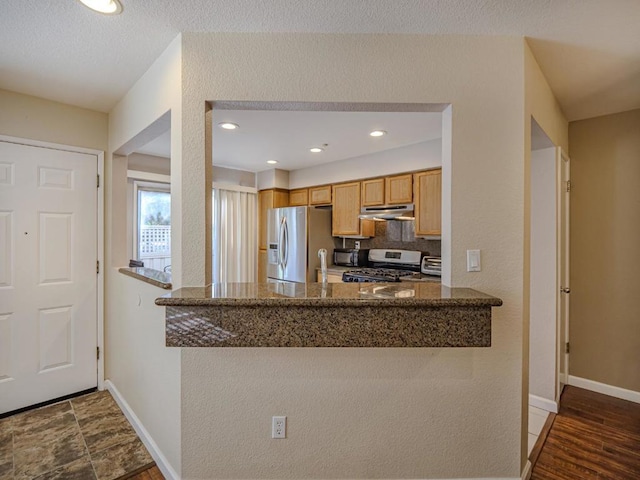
(110, 7)
(378, 133)
(228, 125)
(272, 162)
(316, 150)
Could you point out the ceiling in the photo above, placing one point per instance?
(60, 50)
(287, 136)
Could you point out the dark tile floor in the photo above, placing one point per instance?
(86, 438)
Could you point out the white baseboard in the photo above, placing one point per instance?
(161, 461)
(526, 473)
(610, 390)
(543, 403)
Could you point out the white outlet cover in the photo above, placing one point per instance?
(278, 427)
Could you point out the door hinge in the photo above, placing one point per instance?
(97, 353)
(98, 180)
(568, 185)
(97, 266)
(567, 348)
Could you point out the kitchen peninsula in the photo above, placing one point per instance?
(281, 314)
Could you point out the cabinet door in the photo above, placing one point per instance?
(320, 195)
(399, 189)
(373, 192)
(299, 197)
(346, 208)
(262, 266)
(428, 202)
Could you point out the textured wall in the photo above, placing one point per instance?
(605, 209)
(39, 119)
(145, 372)
(427, 413)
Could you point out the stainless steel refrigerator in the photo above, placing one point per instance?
(294, 236)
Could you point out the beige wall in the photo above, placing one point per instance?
(35, 118)
(145, 372)
(605, 228)
(371, 413)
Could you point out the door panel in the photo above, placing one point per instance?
(6, 249)
(48, 281)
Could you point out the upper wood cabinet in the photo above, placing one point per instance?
(372, 192)
(320, 195)
(398, 189)
(299, 197)
(428, 202)
(267, 199)
(346, 208)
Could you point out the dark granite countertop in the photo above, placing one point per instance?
(280, 294)
(149, 275)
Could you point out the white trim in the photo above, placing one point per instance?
(103, 267)
(610, 390)
(233, 187)
(148, 176)
(543, 403)
(562, 377)
(526, 473)
(161, 461)
(99, 233)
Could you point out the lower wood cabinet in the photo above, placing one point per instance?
(262, 266)
(331, 278)
(428, 202)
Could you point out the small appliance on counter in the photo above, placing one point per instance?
(350, 257)
(431, 266)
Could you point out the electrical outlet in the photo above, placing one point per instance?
(278, 427)
(357, 245)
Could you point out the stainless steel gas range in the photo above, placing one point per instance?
(386, 265)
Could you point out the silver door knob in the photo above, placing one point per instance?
(565, 290)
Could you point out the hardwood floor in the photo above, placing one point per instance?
(594, 436)
(151, 474)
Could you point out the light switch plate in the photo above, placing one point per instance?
(473, 261)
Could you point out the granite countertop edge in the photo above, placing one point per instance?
(148, 275)
(327, 302)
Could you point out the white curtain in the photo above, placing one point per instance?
(235, 236)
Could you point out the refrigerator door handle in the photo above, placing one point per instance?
(286, 242)
(280, 243)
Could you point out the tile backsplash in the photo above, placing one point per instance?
(394, 234)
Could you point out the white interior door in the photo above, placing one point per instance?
(48, 280)
(563, 163)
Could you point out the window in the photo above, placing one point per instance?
(153, 225)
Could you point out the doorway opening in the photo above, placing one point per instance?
(548, 310)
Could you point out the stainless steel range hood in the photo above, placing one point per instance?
(388, 212)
